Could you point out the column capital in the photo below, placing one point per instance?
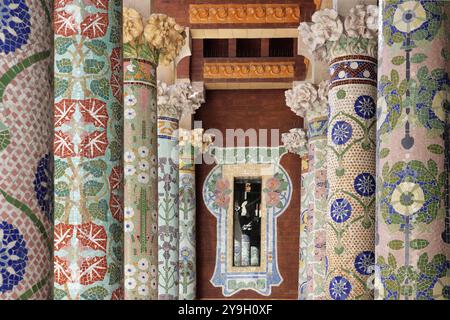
(195, 138)
(308, 100)
(295, 141)
(179, 99)
(330, 35)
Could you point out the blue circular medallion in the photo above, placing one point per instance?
(365, 184)
(342, 132)
(340, 210)
(340, 288)
(365, 107)
(365, 263)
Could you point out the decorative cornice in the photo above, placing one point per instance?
(249, 70)
(295, 141)
(308, 100)
(330, 35)
(244, 13)
(178, 99)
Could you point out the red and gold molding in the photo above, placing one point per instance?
(244, 13)
(249, 70)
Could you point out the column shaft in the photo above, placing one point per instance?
(413, 221)
(88, 148)
(141, 180)
(168, 223)
(187, 210)
(350, 174)
(26, 208)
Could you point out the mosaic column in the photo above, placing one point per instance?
(141, 167)
(295, 142)
(413, 220)
(26, 208)
(311, 102)
(173, 101)
(88, 146)
(191, 142)
(349, 45)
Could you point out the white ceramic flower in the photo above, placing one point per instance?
(128, 212)
(153, 270)
(308, 37)
(130, 283)
(143, 151)
(143, 277)
(129, 156)
(144, 165)
(130, 100)
(143, 178)
(129, 170)
(143, 264)
(129, 270)
(128, 226)
(130, 113)
(143, 290)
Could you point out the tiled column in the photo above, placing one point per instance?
(295, 142)
(26, 208)
(311, 102)
(173, 101)
(140, 158)
(350, 236)
(88, 144)
(413, 220)
(192, 142)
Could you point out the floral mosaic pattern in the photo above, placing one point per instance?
(217, 196)
(88, 189)
(168, 221)
(25, 143)
(140, 180)
(413, 229)
(187, 199)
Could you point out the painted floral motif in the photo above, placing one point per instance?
(341, 210)
(340, 288)
(15, 25)
(341, 132)
(43, 186)
(275, 186)
(13, 257)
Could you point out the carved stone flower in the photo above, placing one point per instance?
(327, 26)
(165, 35)
(132, 25)
(355, 22)
(372, 18)
(295, 141)
(178, 99)
(301, 98)
(308, 36)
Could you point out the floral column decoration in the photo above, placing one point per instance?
(349, 45)
(413, 220)
(295, 142)
(142, 52)
(26, 207)
(311, 102)
(88, 142)
(173, 101)
(192, 144)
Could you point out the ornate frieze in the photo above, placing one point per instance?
(241, 13)
(249, 70)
